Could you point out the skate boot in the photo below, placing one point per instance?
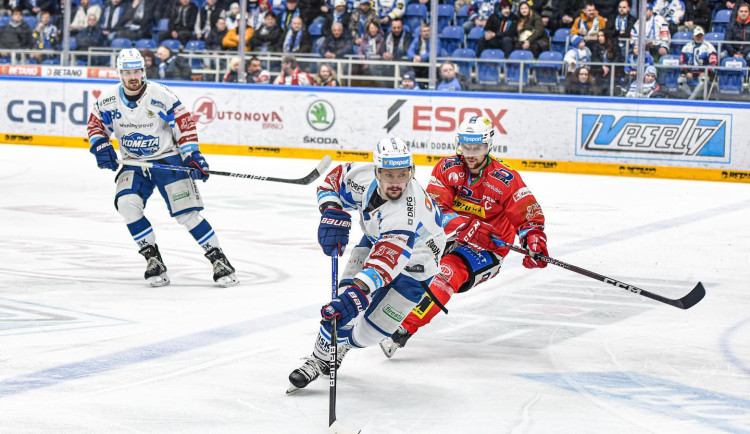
(156, 271)
(397, 340)
(313, 368)
(223, 270)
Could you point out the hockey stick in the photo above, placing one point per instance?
(686, 302)
(334, 427)
(312, 176)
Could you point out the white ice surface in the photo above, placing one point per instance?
(86, 346)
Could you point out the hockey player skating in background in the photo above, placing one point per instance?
(388, 270)
(480, 197)
(151, 124)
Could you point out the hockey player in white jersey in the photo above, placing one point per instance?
(151, 124)
(389, 269)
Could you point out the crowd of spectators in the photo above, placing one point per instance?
(598, 36)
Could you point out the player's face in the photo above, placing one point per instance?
(393, 182)
(132, 79)
(474, 155)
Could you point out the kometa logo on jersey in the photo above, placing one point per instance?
(140, 144)
(656, 136)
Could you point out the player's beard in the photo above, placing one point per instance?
(133, 85)
(475, 163)
(394, 192)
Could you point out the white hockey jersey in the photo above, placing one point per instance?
(155, 126)
(407, 234)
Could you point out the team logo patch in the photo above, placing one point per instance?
(424, 305)
(393, 313)
(521, 193)
(140, 144)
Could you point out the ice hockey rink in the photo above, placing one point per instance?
(87, 347)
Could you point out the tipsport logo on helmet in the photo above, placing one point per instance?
(396, 163)
(470, 138)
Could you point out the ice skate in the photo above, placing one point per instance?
(313, 368)
(223, 270)
(156, 271)
(397, 340)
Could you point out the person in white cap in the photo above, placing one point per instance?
(697, 55)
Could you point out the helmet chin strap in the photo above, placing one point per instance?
(132, 92)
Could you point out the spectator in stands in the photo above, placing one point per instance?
(206, 19)
(181, 22)
(621, 24)
(149, 59)
(216, 36)
(568, 10)
(606, 50)
(580, 83)
(372, 41)
(657, 33)
(699, 54)
(233, 67)
(419, 50)
(500, 32)
(448, 79)
(531, 34)
(588, 23)
(269, 36)
(311, 9)
(673, 12)
(80, 19)
(578, 54)
(650, 85)
(231, 38)
(91, 35)
(16, 35)
(697, 13)
(408, 81)
(172, 66)
(326, 76)
(232, 16)
(291, 11)
(337, 44)
(337, 15)
(389, 10)
(397, 41)
(297, 39)
(255, 72)
(479, 12)
(548, 20)
(739, 30)
(257, 16)
(632, 62)
(291, 74)
(137, 20)
(359, 19)
(45, 37)
(111, 18)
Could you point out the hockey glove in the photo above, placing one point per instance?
(536, 242)
(197, 163)
(346, 307)
(477, 235)
(333, 230)
(105, 155)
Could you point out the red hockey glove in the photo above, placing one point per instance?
(536, 242)
(477, 235)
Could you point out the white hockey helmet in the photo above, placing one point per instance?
(475, 130)
(392, 153)
(130, 58)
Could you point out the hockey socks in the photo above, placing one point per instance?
(142, 232)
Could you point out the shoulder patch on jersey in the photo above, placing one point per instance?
(521, 193)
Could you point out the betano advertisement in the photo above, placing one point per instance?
(687, 140)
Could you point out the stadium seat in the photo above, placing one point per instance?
(121, 43)
(472, 39)
(669, 71)
(161, 26)
(489, 72)
(560, 40)
(721, 21)
(415, 14)
(445, 15)
(315, 29)
(464, 67)
(730, 80)
(548, 67)
(452, 38)
(5, 19)
(172, 44)
(317, 43)
(462, 15)
(513, 69)
(54, 61)
(192, 46)
(4, 60)
(714, 37)
(30, 20)
(679, 39)
(72, 44)
(145, 44)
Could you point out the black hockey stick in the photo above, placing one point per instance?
(686, 302)
(312, 176)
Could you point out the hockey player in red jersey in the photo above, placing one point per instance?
(480, 197)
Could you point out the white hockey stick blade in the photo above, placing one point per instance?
(336, 428)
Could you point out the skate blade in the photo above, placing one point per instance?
(388, 346)
(160, 280)
(291, 389)
(227, 281)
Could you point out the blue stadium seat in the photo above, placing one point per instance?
(161, 26)
(121, 43)
(472, 39)
(192, 46)
(445, 15)
(172, 44)
(513, 70)
(145, 44)
(560, 40)
(679, 39)
(97, 2)
(72, 44)
(669, 71)
(721, 21)
(464, 67)
(30, 20)
(315, 29)
(548, 67)
(714, 37)
(489, 72)
(462, 15)
(731, 80)
(452, 38)
(4, 60)
(415, 14)
(317, 43)
(54, 61)
(5, 19)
